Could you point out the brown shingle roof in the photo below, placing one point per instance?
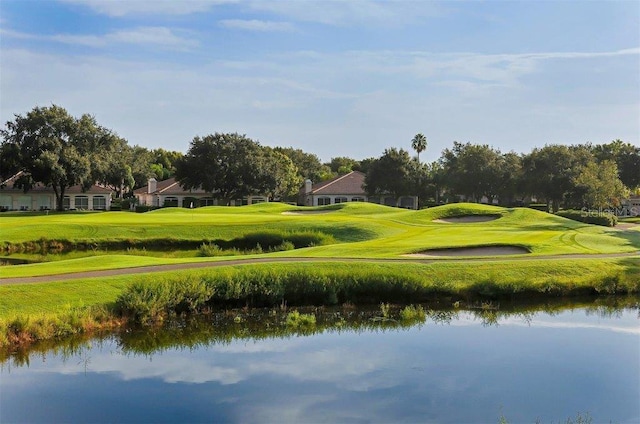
(351, 183)
(170, 187)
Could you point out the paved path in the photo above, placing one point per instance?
(197, 265)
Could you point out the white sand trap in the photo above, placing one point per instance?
(472, 251)
(469, 219)
(305, 212)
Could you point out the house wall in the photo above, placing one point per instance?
(318, 200)
(408, 202)
(162, 200)
(42, 201)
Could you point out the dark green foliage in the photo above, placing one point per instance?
(144, 208)
(256, 286)
(269, 241)
(145, 303)
(539, 207)
(603, 219)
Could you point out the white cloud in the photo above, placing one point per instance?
(335, 12)
(353, 12)
(257, 25)
(118, 8)
(159, 36)
(353, 103)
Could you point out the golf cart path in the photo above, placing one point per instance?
(214, 264)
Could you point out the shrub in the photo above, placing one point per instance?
(297, 320)
(413, 313)
(539, 207)
(603, 219)
(144, 208)
(126, 204)
(145, 303)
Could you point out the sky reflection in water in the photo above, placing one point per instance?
(549, 367)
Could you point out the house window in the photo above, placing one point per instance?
(99, 203)
(407, 202)
(255, 200)
(66, 202)
(206, 201)
(44, 202)
(357, 199)
(324, 201)
(6, 202)
(341, 200)
(170, 201)
(82, 202)
(24, 203)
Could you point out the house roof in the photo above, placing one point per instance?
(169, 187)
(8, 185)
(351, 183)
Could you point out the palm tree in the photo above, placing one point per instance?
(419, 144)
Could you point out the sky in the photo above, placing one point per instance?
(333, 78)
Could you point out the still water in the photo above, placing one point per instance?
(453, 367)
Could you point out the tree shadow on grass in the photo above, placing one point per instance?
(632, 237)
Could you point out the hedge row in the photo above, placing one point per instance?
(604, 219)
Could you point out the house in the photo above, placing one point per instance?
(170, 193)
(41, 197)
(630, 207)
(348, 188)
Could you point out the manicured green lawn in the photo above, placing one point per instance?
(446, 277)
(361, 229)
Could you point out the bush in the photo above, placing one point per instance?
(297, 320)
(145, 303)
(413, 313)
(144, 208)
(604, 219)
(126, 204)
(539, 207)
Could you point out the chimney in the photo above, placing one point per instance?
(152, 185)
(307, 186)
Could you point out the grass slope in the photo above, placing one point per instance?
(559, 276)
(363, 230)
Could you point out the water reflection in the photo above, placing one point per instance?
(353, 365)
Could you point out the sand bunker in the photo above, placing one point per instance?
(472, 251)
(468, 219)
(305, 212)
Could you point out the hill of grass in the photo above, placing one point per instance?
(361, 230)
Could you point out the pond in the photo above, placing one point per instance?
(451, 366)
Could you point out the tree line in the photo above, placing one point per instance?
(58, 150)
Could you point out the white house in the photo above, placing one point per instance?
(170, 193)
(41, 197)
(630, 206)
(348, 188)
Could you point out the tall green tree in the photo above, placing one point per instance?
(342, 165)
(307, 164)
(627, 159)
(550, 172)
(601, 186)
(56, 149)
(419, 144)
(391, 174)
(164, 163)
(281, 180)
(473, 170)
(229, 166)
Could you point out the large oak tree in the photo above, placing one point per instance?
(53, 148)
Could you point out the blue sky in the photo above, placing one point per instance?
(334, 78)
